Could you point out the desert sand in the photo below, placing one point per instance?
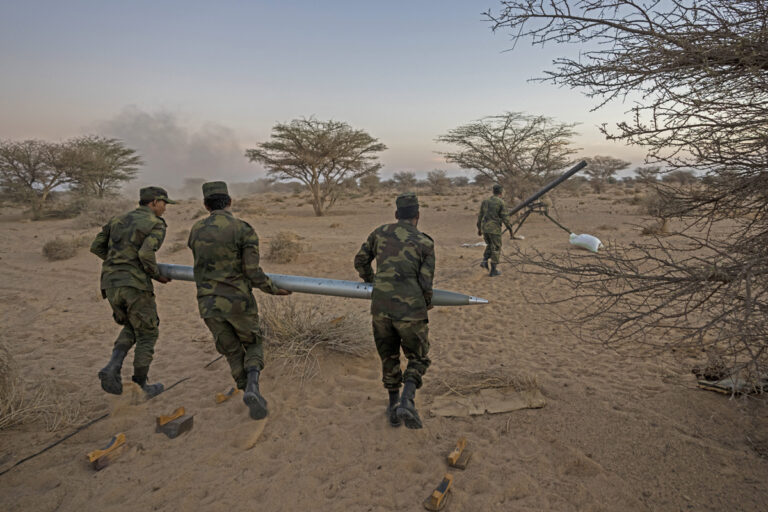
(618, 433)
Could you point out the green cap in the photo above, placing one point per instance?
(214, 187)
(497, 189)
(407, 199)
(152, 193)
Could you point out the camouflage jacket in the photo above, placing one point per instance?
(127, 244)
(493, 212)
(405, 267)
(226, 251)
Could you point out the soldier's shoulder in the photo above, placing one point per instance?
(428, 240)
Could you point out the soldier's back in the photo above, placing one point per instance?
(127, 233)
(400, 250)
(216, 243)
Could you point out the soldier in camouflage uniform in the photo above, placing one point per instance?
(402, 294)
(226, 251)
(493, 212)
(127, 244)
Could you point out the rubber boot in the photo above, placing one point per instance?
(406, 411)
(253, 399)
(140, 378)
(111, 382)
(494, 271)
(394, 398)
(484, 264)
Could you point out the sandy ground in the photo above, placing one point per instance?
(617, 434)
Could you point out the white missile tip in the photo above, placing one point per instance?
(477, 300)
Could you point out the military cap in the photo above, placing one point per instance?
(497, 189)
(407, 205)
(213, 188)
(407, 199)
(152, 193)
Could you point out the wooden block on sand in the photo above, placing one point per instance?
(99, 459)
(223, 397)
(439, 497)
(174, 424)
(459, 457)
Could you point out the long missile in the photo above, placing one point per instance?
(549, 186)
(323, 286)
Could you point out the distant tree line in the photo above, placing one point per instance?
(30, 170)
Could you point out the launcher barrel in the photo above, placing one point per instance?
(549, 186)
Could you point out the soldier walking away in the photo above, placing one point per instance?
(493, 212)
(127, 244)
(402, 294)
(226, 252)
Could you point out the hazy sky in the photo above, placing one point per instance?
(191, 84)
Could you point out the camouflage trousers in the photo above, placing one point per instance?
(136, 311)
(239, 340)
(493, 247)
(390, 335)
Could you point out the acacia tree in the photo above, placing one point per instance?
(518, 150)
(320, 154)
(601, 168)
(31, 169)
(700, 71)
(101, 165)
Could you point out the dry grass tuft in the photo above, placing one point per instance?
(60, 248)
(296, 331)
(464, 382)
(19, 405)
(661, 227)
(284, 247)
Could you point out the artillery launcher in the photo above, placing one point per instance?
(534, 205)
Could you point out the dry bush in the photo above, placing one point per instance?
(296, 331)
(284, 247)
(660, 227)
(60, 248)
(463, 382)
(95, 213)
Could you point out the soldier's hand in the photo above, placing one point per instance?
(163, 279)
(479, 233)
(430, 307)
(281, 291)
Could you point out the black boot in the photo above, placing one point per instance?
(484, 264)
(111, 382)
(140, 378)
(394, 398)
(406, 411)
(253, 399)
(494, 271)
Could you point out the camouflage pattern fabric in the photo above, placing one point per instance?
(136, 311)
(492, 247)
(238, 339)
(405, 268)
(412, 336)
(493, 213)
(226, 251)
(127, 244)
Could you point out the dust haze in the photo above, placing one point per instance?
(175, 150)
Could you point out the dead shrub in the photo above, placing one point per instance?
(463, 382)
(60, 248)
(284, 247)
(296, 331)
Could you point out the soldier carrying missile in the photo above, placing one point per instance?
(402, 294)
(226, 252)
(127, 245)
